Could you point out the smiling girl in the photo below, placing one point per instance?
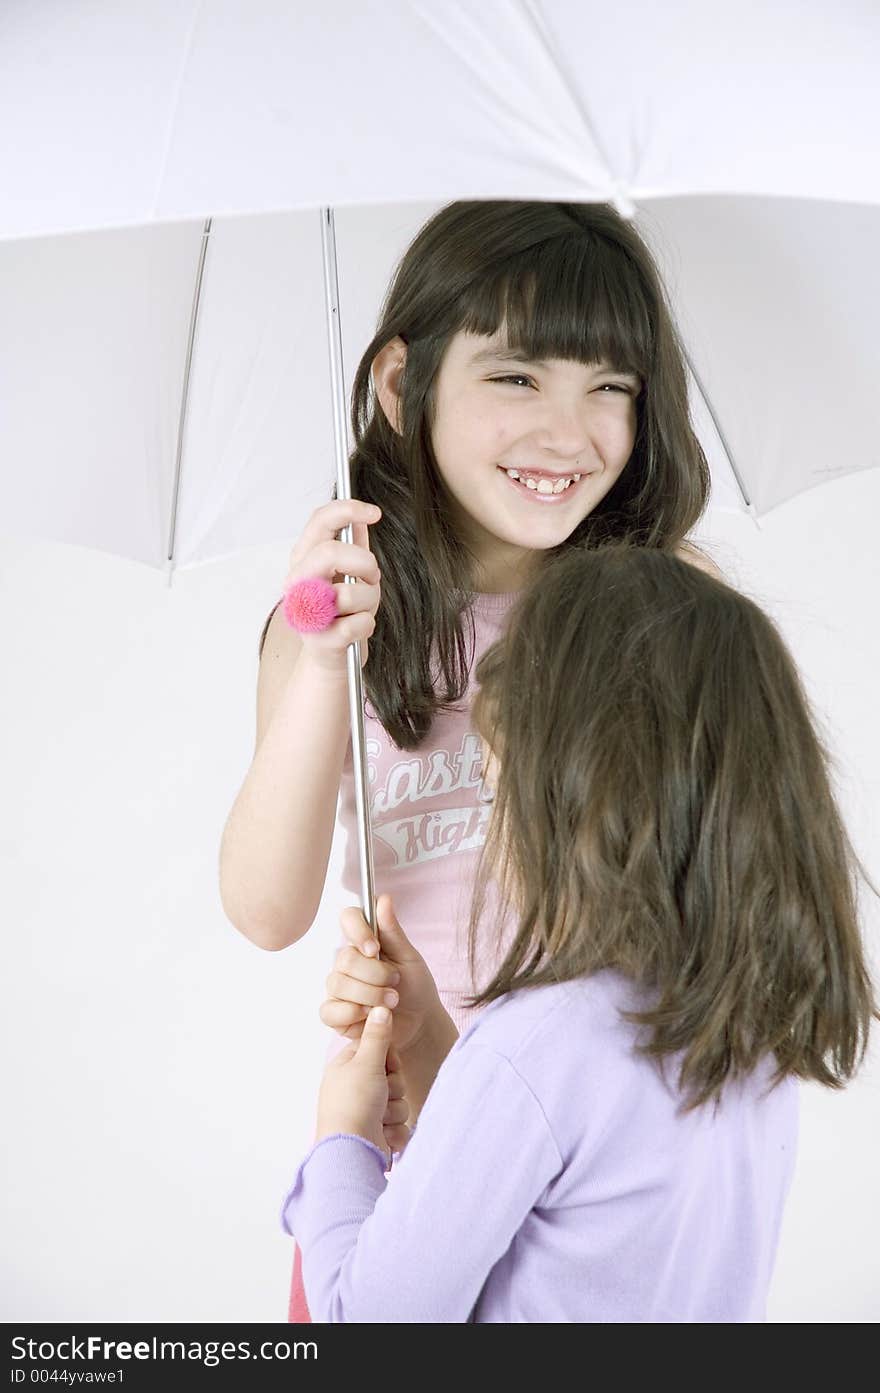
(524, 394)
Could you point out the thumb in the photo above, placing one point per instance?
(392, 939)
(375, 1038)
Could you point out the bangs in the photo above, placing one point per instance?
(573, 297)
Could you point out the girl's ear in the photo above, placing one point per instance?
(386, 373)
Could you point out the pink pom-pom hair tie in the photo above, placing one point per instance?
(310, 605)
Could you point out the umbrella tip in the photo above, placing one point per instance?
(622, 203)
(169, 571)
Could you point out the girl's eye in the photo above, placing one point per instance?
(617, 387)
(514, 377)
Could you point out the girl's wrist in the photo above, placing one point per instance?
(342, 1124)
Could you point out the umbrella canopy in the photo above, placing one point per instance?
(174, 109)
(778, 321)
(689, 116)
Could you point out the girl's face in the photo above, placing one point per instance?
(526, 449)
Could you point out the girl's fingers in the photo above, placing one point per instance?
(396, 1112)
(352, 962)
(330, 559)
(351, 989)
(362, 535)
(326, 524)
(358, 932)
(341, 1015)
(349, 628)
(330, 519)
(392, 936)
(396, 1085)
(396, 1138)
(357, 599)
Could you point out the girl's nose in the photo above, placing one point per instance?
(563, 431)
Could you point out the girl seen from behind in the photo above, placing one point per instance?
(613, 1138)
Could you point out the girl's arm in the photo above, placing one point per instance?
(277, 838)
(421, 1249)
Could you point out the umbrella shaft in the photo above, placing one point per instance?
(343, 490)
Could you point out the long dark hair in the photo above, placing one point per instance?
(565, 280)
(663, 808)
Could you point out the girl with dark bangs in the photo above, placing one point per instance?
(524, 395)
(613, 1138)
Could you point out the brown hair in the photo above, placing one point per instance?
(566, 280)
(663, 808)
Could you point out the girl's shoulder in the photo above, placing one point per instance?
(534, 1023)
(696, 556)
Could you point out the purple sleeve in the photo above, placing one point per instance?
(421, 1248)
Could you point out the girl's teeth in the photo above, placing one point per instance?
(543, 485)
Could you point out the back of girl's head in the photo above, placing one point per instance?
(663, 808)
(558, 280)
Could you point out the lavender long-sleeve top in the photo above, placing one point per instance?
(553, 1178)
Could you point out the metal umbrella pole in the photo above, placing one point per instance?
(343, 490)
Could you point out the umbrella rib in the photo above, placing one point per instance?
(539, 28)
(184, 400)
(719, 431)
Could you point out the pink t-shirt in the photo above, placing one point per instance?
(429, 827)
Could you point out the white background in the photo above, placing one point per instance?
(160, 1070)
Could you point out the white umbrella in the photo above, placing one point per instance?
(141, 122)
(164, 110)
(777, 299)
(183, 150)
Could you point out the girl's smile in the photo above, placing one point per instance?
(542, 486)
(526, 448)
